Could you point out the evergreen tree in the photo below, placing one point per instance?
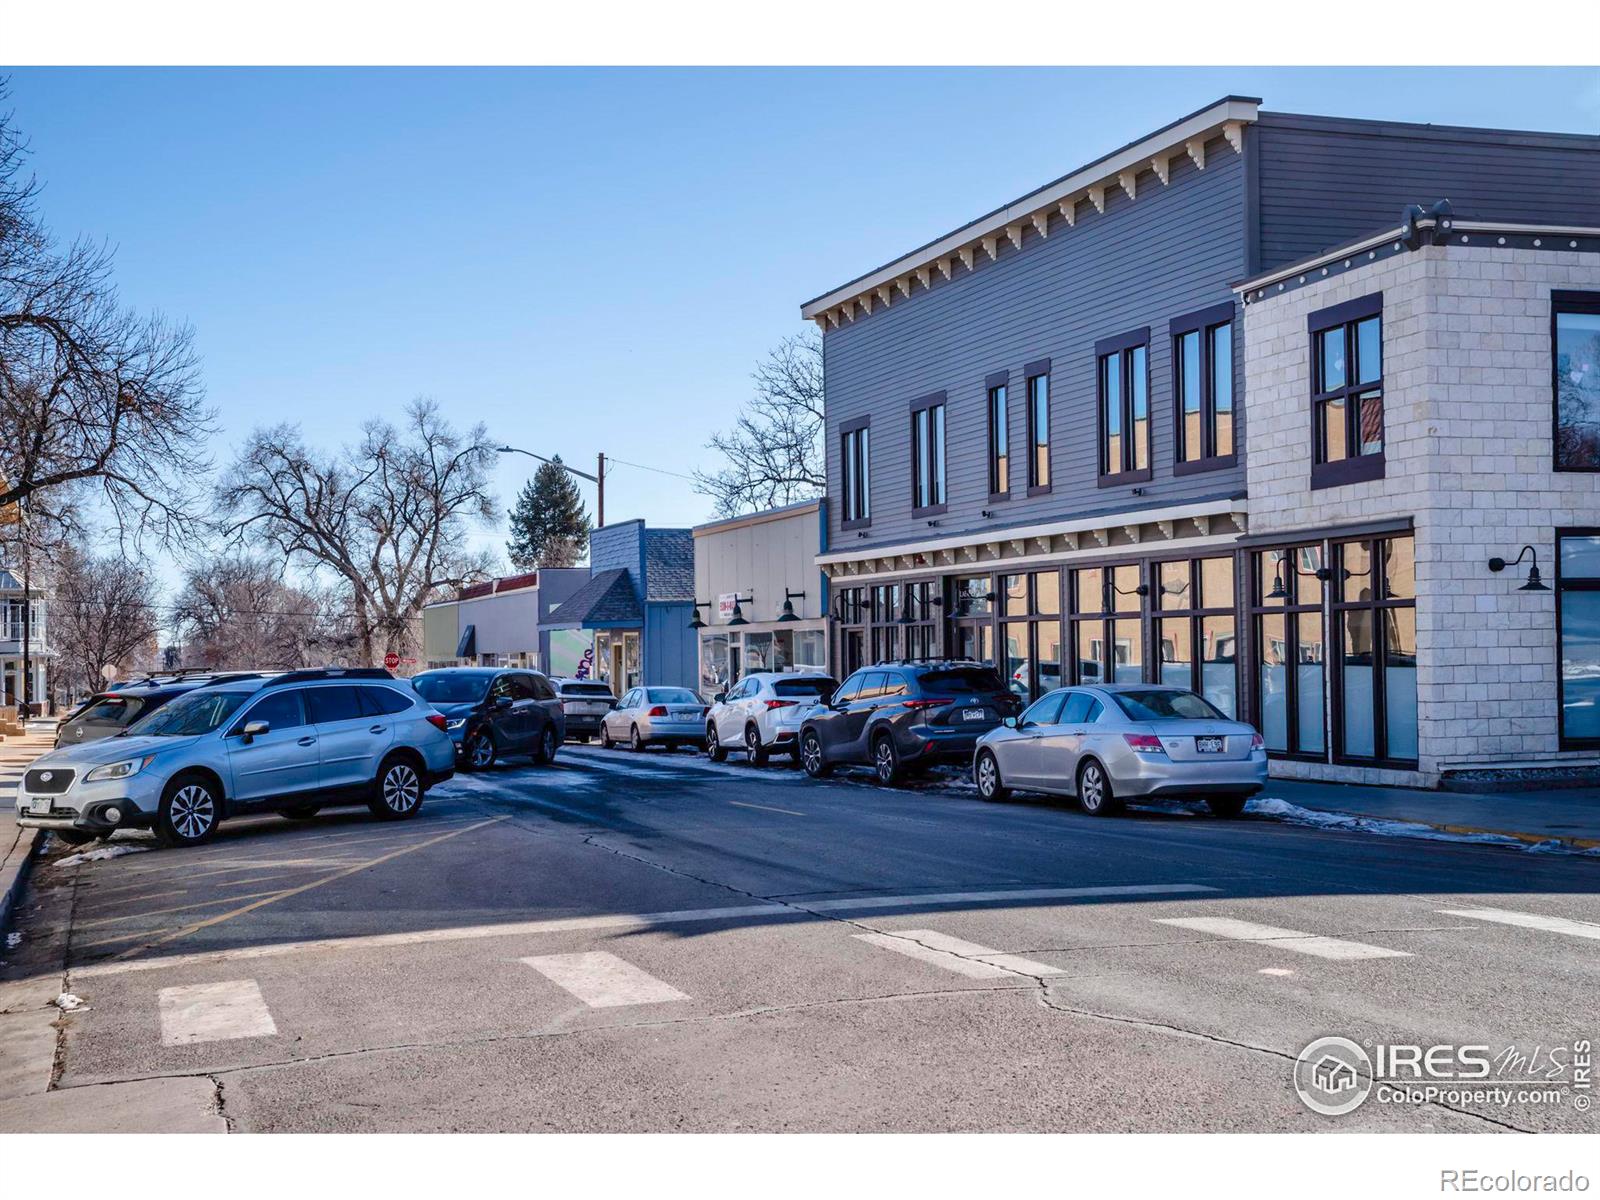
(549, 527)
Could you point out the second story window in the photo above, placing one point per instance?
(1575, 322)
(1347, 392)
(855, 477)
(1202, 384)
(1124, 394)
(927, 453)
(997, 389)
(1038, 374)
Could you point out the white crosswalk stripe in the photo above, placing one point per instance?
(1294, 940)
(1506, 916)
(953, 954)
(214, 1012)
(603, 980)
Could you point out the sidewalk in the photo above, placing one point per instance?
(16, 844)
(1570, 816)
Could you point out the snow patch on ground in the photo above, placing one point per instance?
(100, 853)
(1281, 810)
(66, 1002)
(13, 940)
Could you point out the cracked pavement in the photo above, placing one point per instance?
(633, 943)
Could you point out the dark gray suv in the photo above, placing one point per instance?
(897, 717)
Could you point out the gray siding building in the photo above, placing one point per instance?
(1040, 444)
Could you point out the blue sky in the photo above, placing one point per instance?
(590, 259)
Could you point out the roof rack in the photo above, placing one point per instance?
(312, 674)
(930, 661)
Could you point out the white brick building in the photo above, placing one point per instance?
(1379, 671)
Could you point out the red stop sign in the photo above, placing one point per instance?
(391, 660)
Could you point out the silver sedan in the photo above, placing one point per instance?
(655, 716)
(1122, 741)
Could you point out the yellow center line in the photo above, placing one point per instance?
(161, 912)
(766, 808)
(305, 887)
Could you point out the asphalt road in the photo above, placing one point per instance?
(629, 943)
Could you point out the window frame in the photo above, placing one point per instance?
(1034, 371)
(1123, 346)
(1203, 323)
(1195, 615)
(1580, 584)
(1587, 303)
(1290, 608)
(855, 473)
(1333, 639)
(1354, 468)
(928, 415)
(998, 381)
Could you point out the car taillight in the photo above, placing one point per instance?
(1256, 741)
(437, 721)
(659, 710)
(929, 703)
(771, 704)
(1144, 743)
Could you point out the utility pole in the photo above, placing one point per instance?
(598, 478)
(27, 604)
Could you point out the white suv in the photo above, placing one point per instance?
(761, 714)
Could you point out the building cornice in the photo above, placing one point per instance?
(1040, 209)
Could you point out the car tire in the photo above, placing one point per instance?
(397, 791)
(481, 751)
(548, 743)
(75, 837)
(300, 812)
(1094, 791)
(1225, 806)
(190, 809)
(606, 742)
(635, 742)
(715, 750)
(581, 738)
(754, 751)
(987, 771)
(812, 759)
(886, 767)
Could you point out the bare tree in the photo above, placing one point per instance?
(774, 450)
(93, 397)
(237, 612)
(102, 613)
(385, 520)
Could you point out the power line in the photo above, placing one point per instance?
(658, 470)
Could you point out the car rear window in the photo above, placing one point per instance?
(586, 689)
(113, 711)
(1166, 706)
(672, 696)
(383, 701)
(963, 681)
(818, 686)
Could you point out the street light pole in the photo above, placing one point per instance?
(598, 479)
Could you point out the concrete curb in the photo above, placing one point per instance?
(14, 872)
(1529, 839)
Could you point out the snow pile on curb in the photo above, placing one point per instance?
(102, 852)
(66, 1002)
(1281, 810)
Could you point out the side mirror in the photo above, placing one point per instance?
(719, 697)
(1010, 722)
(254, 729)
(502, 701)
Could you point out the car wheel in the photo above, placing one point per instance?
(1094, 791)
(581, 738)
(753, 749)
(988, 772)
(397, 791)
(1225, 806)
(300, 812)
(886, 761)
(481, 752)
(635, 742)
(715, 750)
(546, 753)
(189, 812)
(811, 757)
(606, 743)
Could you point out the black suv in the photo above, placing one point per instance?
(108, 713)
(492, 711)
(897, 717)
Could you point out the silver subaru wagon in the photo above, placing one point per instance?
(289, 743)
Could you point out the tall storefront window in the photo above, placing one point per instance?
(971, 607)
(1575, 317)
(1578, 637)
(1375, 611)
(1195, 630)
(1031, 632)
(1291, 652)
(1107, 628)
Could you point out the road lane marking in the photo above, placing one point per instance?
(603, 980)
(214, 1012)
(953, 954)
(628, 922)
(1275, 971)
(1505, 916)
(766, 808)
(1286, 939)
(162, 912)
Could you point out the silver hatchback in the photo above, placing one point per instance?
(1117, 742)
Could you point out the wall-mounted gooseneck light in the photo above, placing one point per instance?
(1534, 583)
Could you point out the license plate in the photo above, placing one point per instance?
(38, 804)
(974, 714)
(1208, 745)
(685, 714)
(594, 709)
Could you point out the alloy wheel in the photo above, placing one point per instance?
(811, 754)
(988, 776)
(883, 759)
(401, 789)
(193, 811)
(1092, 789)
(482, 754)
